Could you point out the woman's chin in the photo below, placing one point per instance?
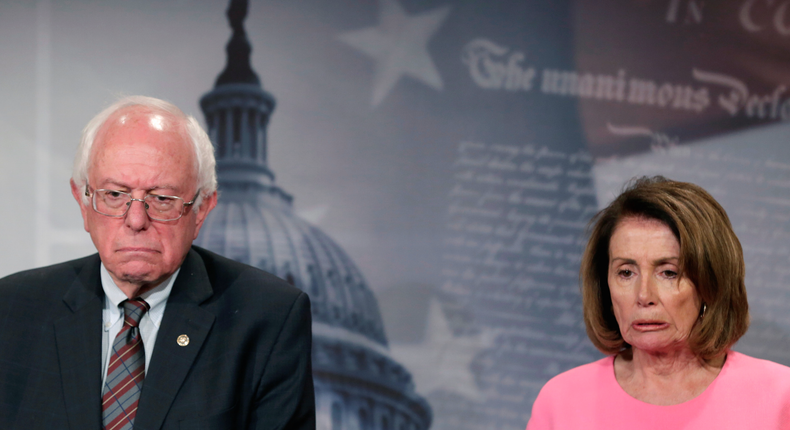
(653, 344)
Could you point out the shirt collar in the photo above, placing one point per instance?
(155, 297)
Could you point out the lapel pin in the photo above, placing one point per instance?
(183, 340)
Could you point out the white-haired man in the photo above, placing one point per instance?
(151, 332)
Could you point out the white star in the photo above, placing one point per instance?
(442, 360)
(399, 45)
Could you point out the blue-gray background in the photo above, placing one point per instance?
(413, 133)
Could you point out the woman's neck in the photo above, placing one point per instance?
(665, 377)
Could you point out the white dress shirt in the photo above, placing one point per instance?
(112, 316)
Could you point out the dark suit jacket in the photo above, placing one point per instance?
(247, 364)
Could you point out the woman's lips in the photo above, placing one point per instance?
(649, 325)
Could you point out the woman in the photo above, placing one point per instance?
(664, 296)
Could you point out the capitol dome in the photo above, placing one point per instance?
(357, 383)
(258, 227)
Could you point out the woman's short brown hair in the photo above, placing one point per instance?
(710, 257)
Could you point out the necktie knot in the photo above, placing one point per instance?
(133, 311)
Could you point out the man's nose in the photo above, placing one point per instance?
(137, 217)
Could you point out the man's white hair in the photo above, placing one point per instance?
(204, 151)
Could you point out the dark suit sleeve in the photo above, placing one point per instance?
(285, 398)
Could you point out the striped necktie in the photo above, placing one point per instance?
(126, 370)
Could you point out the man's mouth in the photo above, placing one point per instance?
(136, 249)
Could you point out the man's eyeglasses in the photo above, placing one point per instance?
(115, 204)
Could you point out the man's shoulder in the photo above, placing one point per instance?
(60, 274)
(225, 273)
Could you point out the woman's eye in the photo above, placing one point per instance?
(670, 274)
(625, 273)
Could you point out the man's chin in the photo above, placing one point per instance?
(138, 273)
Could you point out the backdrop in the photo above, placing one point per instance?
(454, 149)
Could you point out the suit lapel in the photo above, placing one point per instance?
(171, 362)
(78, 339)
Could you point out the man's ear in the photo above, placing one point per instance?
(79, 196)
(206, 206)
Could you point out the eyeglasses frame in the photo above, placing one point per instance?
(91, 195)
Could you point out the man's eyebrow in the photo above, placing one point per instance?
(110, 182)
(167, 188)
(120, 184)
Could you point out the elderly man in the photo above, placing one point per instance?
(151, 332)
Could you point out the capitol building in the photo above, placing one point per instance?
(358, 385)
